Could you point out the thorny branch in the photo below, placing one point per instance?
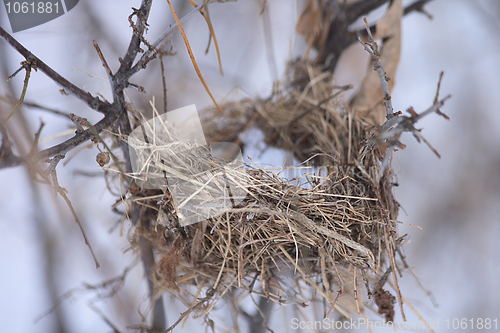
(388, 134)
(116, 116)
(93, 102)
(119, 81)
(78, 139)
(160, 41)
(135, 42)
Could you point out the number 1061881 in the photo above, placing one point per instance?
(474, 323)
(32, 8)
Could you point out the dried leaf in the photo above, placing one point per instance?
(313, 23)
(309, 20)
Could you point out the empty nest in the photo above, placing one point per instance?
(286, 241)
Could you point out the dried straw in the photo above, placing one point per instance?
(284, 241)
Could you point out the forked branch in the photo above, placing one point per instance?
(389, 132)
(93, 102)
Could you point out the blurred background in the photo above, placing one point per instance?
(454, 200)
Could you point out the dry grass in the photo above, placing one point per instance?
(284, 241)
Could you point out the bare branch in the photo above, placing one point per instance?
(389, 132)
(120, 78)
(419, 7)
(339, 37)
(78, 139)
(142, 15)
(372, 48)
(120, 81)
(65, 146)
(6, 148)
(62, 192)
(103, 60)
(163, 84)
(160, 41)
(93, 102)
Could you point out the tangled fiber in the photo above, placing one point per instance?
(289, 241)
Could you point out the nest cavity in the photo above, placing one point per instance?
(285, 239)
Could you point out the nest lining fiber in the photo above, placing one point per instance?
(283, 241)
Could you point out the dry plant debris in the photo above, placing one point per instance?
(284, 238)
(289, 243)
(295, 243)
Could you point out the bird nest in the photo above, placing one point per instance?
(288, 240)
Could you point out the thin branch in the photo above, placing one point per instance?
(164, 84)
(419, 7)
(259, 320)
(396, 125)
(134, 46)
(6, 147)
(148, 262)
(210, 293)
(93, 102)
(103, 60)
(104, 318)
(62, 192)
(105, 289)
(34, 146)
(340, 291)
(312, 108)
(27, 65)
(389, 132)
(162, 39)
(78, 139)
(44, 108)
(64, 147)
(372, 48)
